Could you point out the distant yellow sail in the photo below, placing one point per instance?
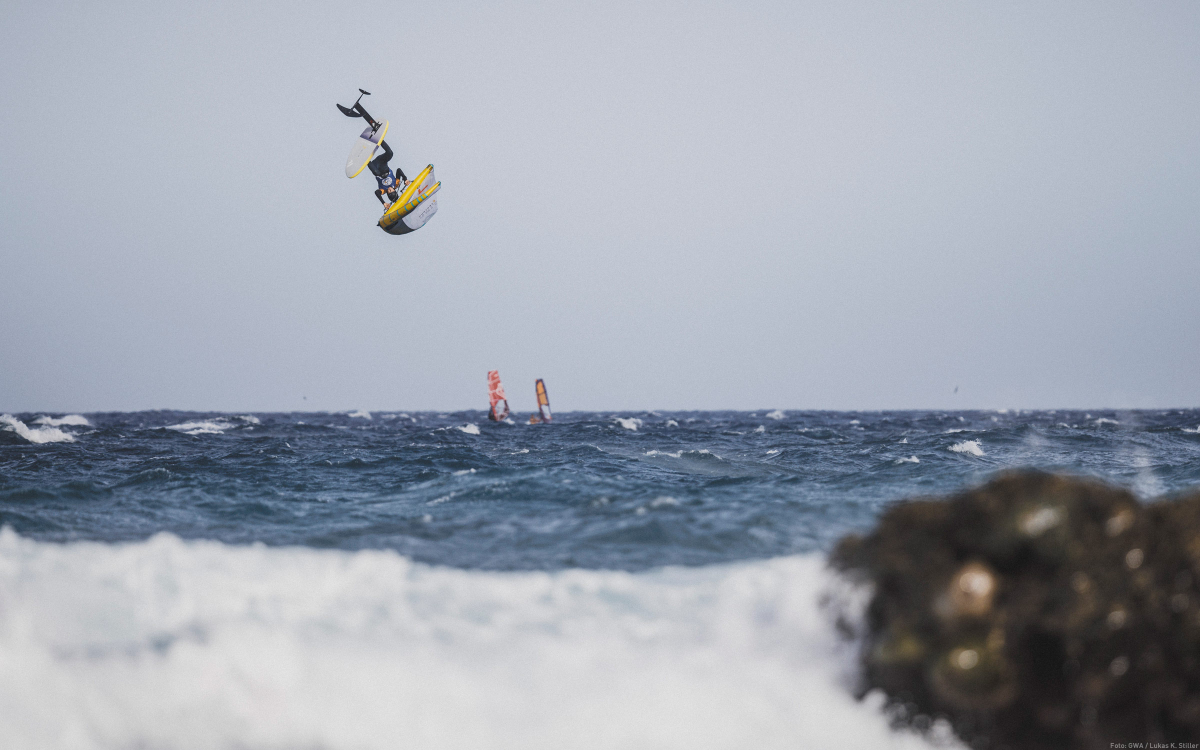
(543, 400)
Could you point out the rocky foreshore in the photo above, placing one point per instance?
(1036, 611)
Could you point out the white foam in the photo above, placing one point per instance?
(35, 434)
(74, 420)
(360, 414)
(1106, 420)
(461, 472)
(249, 419)
(1147, 483)
(676, 454)
(470, 429)
(199, 645)
(953, 430)
(1196, 431)
(772, 452)
(202, 427)
(777, 414)
(909, 460)
(968, 446)
(905, 440)
(632, 423)
(659, 502)
(760, 428)
(672, 423)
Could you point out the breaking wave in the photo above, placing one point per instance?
(74, 420)
(970, 447)
(35, 434)
(202, 427)
(173, 644)
(213, 426)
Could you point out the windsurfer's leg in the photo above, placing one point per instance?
(379, 164)
(386, 156)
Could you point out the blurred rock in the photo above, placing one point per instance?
(1036, 611)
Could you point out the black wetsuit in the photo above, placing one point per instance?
(383, 173)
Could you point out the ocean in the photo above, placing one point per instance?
(433, 580)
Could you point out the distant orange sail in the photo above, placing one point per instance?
(495, 396)
(543, 400)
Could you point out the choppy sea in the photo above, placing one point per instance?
(433, 580)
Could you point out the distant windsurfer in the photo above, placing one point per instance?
(496, 397)
(390, 185)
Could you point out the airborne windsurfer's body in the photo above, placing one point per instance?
(393, 185)
(390, 185)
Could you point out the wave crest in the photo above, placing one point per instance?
(35, 434)
(970, 447)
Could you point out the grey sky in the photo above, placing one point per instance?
(673, 206)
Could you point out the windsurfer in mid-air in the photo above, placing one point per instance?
(390, 185)
(407, 206)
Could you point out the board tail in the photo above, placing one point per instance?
(496, 396)
(543, 400)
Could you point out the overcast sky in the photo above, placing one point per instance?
(652, 206)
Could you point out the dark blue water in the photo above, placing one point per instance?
(616, 491)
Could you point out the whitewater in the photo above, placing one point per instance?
(384, 579)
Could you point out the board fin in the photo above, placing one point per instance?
(358, 110)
